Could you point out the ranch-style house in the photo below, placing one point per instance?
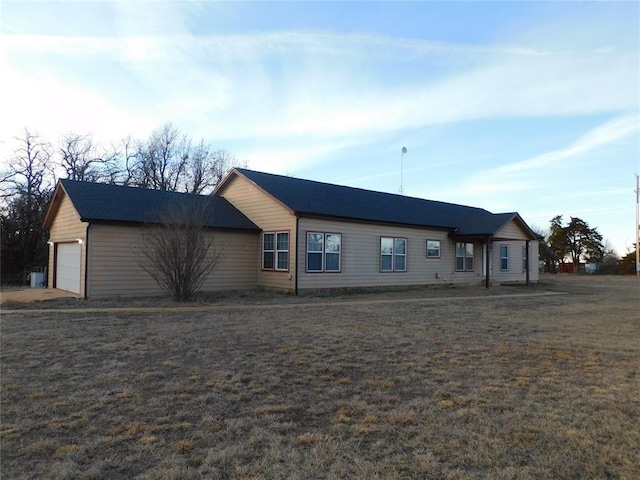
(278, 232)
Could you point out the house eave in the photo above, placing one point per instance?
(54, 203)
(116, 222)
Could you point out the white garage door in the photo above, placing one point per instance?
(68, 267)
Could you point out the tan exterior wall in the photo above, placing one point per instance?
(271, 216)
(512, 231)
(534, 261)
(360, 262)
(516, 271)
(516, 268)
(67, 228)
(114, 262)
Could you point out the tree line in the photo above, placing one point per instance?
(577, 243)
(167, 159)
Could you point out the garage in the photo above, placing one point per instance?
(68, 267)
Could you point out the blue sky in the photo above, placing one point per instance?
(511, 106)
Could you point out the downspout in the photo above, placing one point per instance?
(295, 271)
(54, 273)
(526, 249)
(487, 263)
(86, 262)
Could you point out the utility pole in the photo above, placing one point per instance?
(637, 229)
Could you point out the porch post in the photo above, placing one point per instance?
(528, 262)
(487, 262)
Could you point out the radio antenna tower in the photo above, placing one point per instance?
(402, 152)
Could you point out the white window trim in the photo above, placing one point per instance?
(276, 251)
(281, 251)
(270, 251)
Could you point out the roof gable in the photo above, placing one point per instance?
(307, 197)
(99, 202)
(518, 221)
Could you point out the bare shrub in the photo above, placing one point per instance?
(179, 251)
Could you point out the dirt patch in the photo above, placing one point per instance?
(13, 296)
(476, 386)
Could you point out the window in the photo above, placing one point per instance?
(504, 257)
(323, 252)
(393, 254)
(524, 258)
(464, 257)
(282, 251)
(275, 251)
(268, 251)
(333, 251)
(433, 248)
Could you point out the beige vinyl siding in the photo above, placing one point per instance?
(512, 231)
(517, 240)
(515, 272)
(67, 228)
(534, 258)
(271, 216)
(114, 266)
(360, 259)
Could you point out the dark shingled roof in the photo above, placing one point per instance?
(306, 197)
(99, 202)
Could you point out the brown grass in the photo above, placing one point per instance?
(456, 388)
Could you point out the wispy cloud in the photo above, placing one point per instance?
(608, 132)
(491, 186)
(48, 105)
(252, 46)
(321, 89)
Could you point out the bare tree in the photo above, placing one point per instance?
(162, 159)
(179, 251)
(125, 173)
(84, 160)
(609, 255)
(26, 190)
(30, 169)
(206, 168)
(197, 175)
(169, 160)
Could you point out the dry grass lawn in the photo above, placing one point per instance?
(459, 384)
